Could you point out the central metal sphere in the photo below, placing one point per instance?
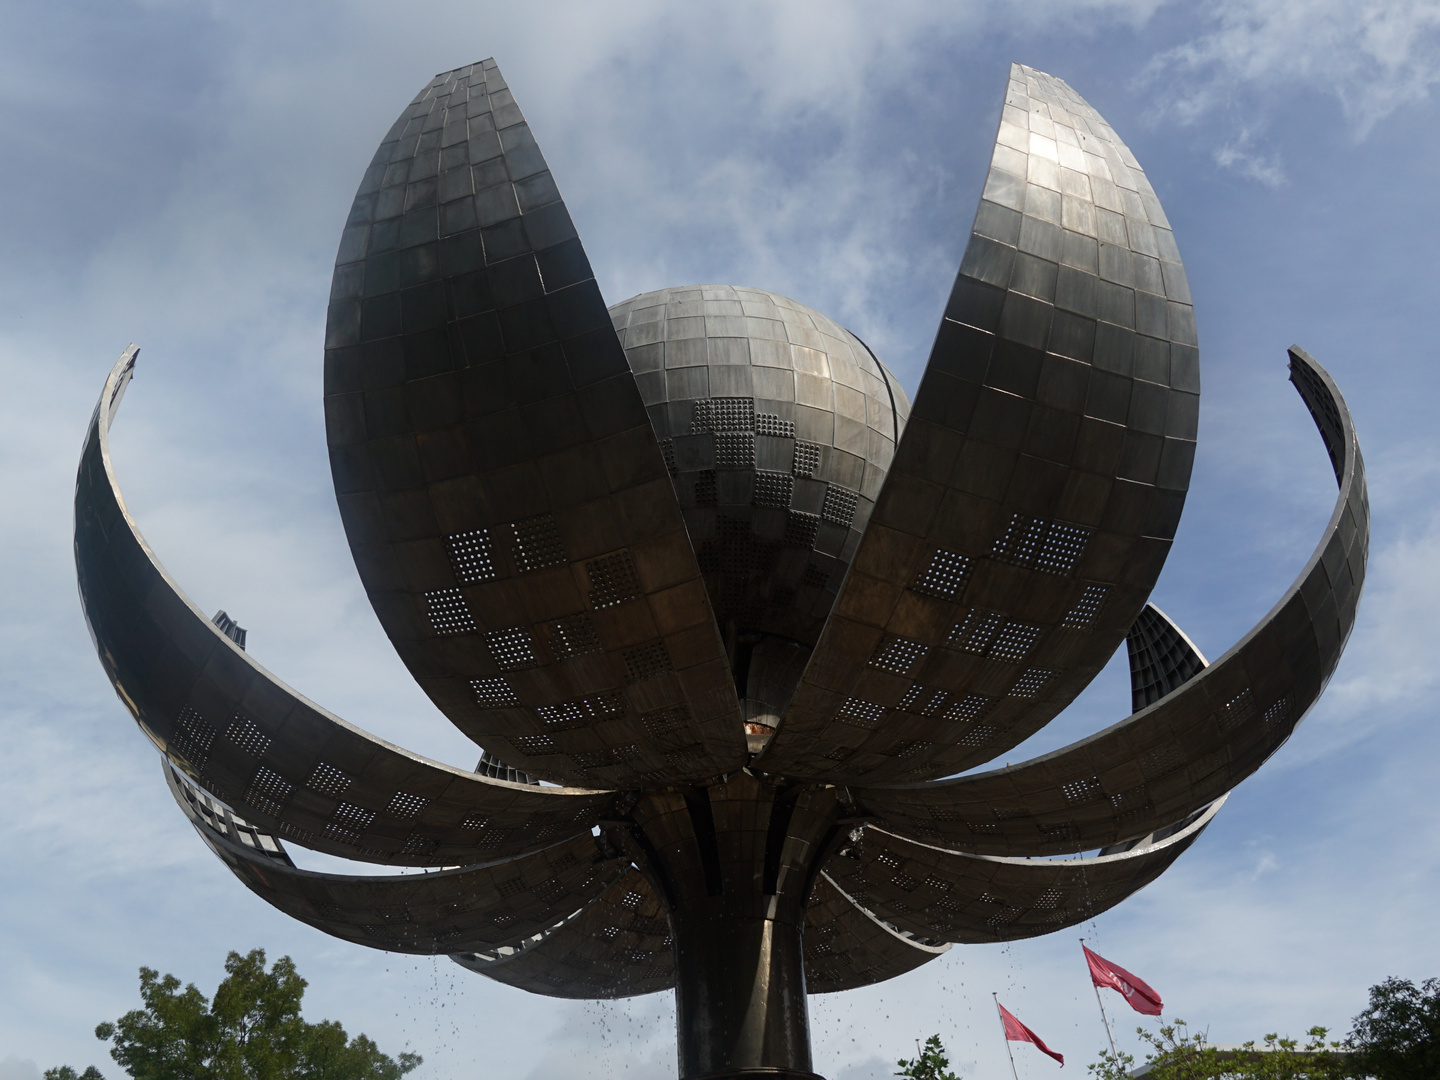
(778, 426)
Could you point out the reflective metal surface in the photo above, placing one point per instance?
(692, 551)
(1187, 749)
(478, 907)
(1035, 492)
(956, 896)
(501, 487)
(287, 764)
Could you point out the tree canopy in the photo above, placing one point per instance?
(930, 1063)
(251, 1030)
(1398, 1036)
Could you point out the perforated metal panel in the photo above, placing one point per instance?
(780, 425)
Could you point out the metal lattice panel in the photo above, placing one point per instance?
(495, 469)
(1187, 749)
(1048, 453)
(954, 896)
(440, 912)
(284, 763)
(1162, 658)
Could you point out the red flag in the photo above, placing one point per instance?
(1103, 973)
(1015, 1031)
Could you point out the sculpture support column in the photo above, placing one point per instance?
(736, 861)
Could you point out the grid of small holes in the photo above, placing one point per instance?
(575, 636)
(705, 489)
(970, 707)
(448, 612)
(534, 744)
(665, 722)
(404, 805)
(1083, 614)
(924, 701)
(839, 507)
(1238, 709)
(269, 784)
(1063, 546)
(1279, 711)
(192, 736)
(582, 710)
(353, 817)
(1031, 682)
(735, 449)
(1161, 760)
(769, 424)
(975, 630)
(245, 734)
(1013, 641)
(1022, 538)
(807, 459)
(511, 649)
(945, 577)
(494, 693)
(667, 450)
(773, 489)
(335, 831)
(646, 660)
(471, 556)
(979, 735)
(723, 414)
(537, 543)
(860, 713)
(815, 577)
(898, 655)
(1086, 790)
(328, 780)
(613, 579)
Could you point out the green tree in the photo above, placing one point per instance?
(1176, 1053)
(1398, 1036)
(928, 1064)
(252, 1030)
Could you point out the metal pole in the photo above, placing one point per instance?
(1006, 1035)
(1103, 1018)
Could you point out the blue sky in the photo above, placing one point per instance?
(178, 174)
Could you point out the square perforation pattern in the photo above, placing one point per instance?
(511, 649)
(806, 461)
(247, 736)
(575, 636)
(471, 556)
(613, 580)
(1087, 608)
(493, 693)
(448, 612)
(328, 780)
(945, 577)
(537, 543)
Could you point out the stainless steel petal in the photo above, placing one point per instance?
(503, 493)
(287, 764)
(1038, 484)
(1197, 742)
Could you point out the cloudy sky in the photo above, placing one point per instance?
(178, 174)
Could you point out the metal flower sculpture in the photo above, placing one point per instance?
(698, 560)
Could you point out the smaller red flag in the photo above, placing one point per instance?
(1103, 973)
(1015, 1031)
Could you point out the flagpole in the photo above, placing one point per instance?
(1103, 1018)
(1010, 1053)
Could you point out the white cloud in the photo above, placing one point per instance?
(1371, 57)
